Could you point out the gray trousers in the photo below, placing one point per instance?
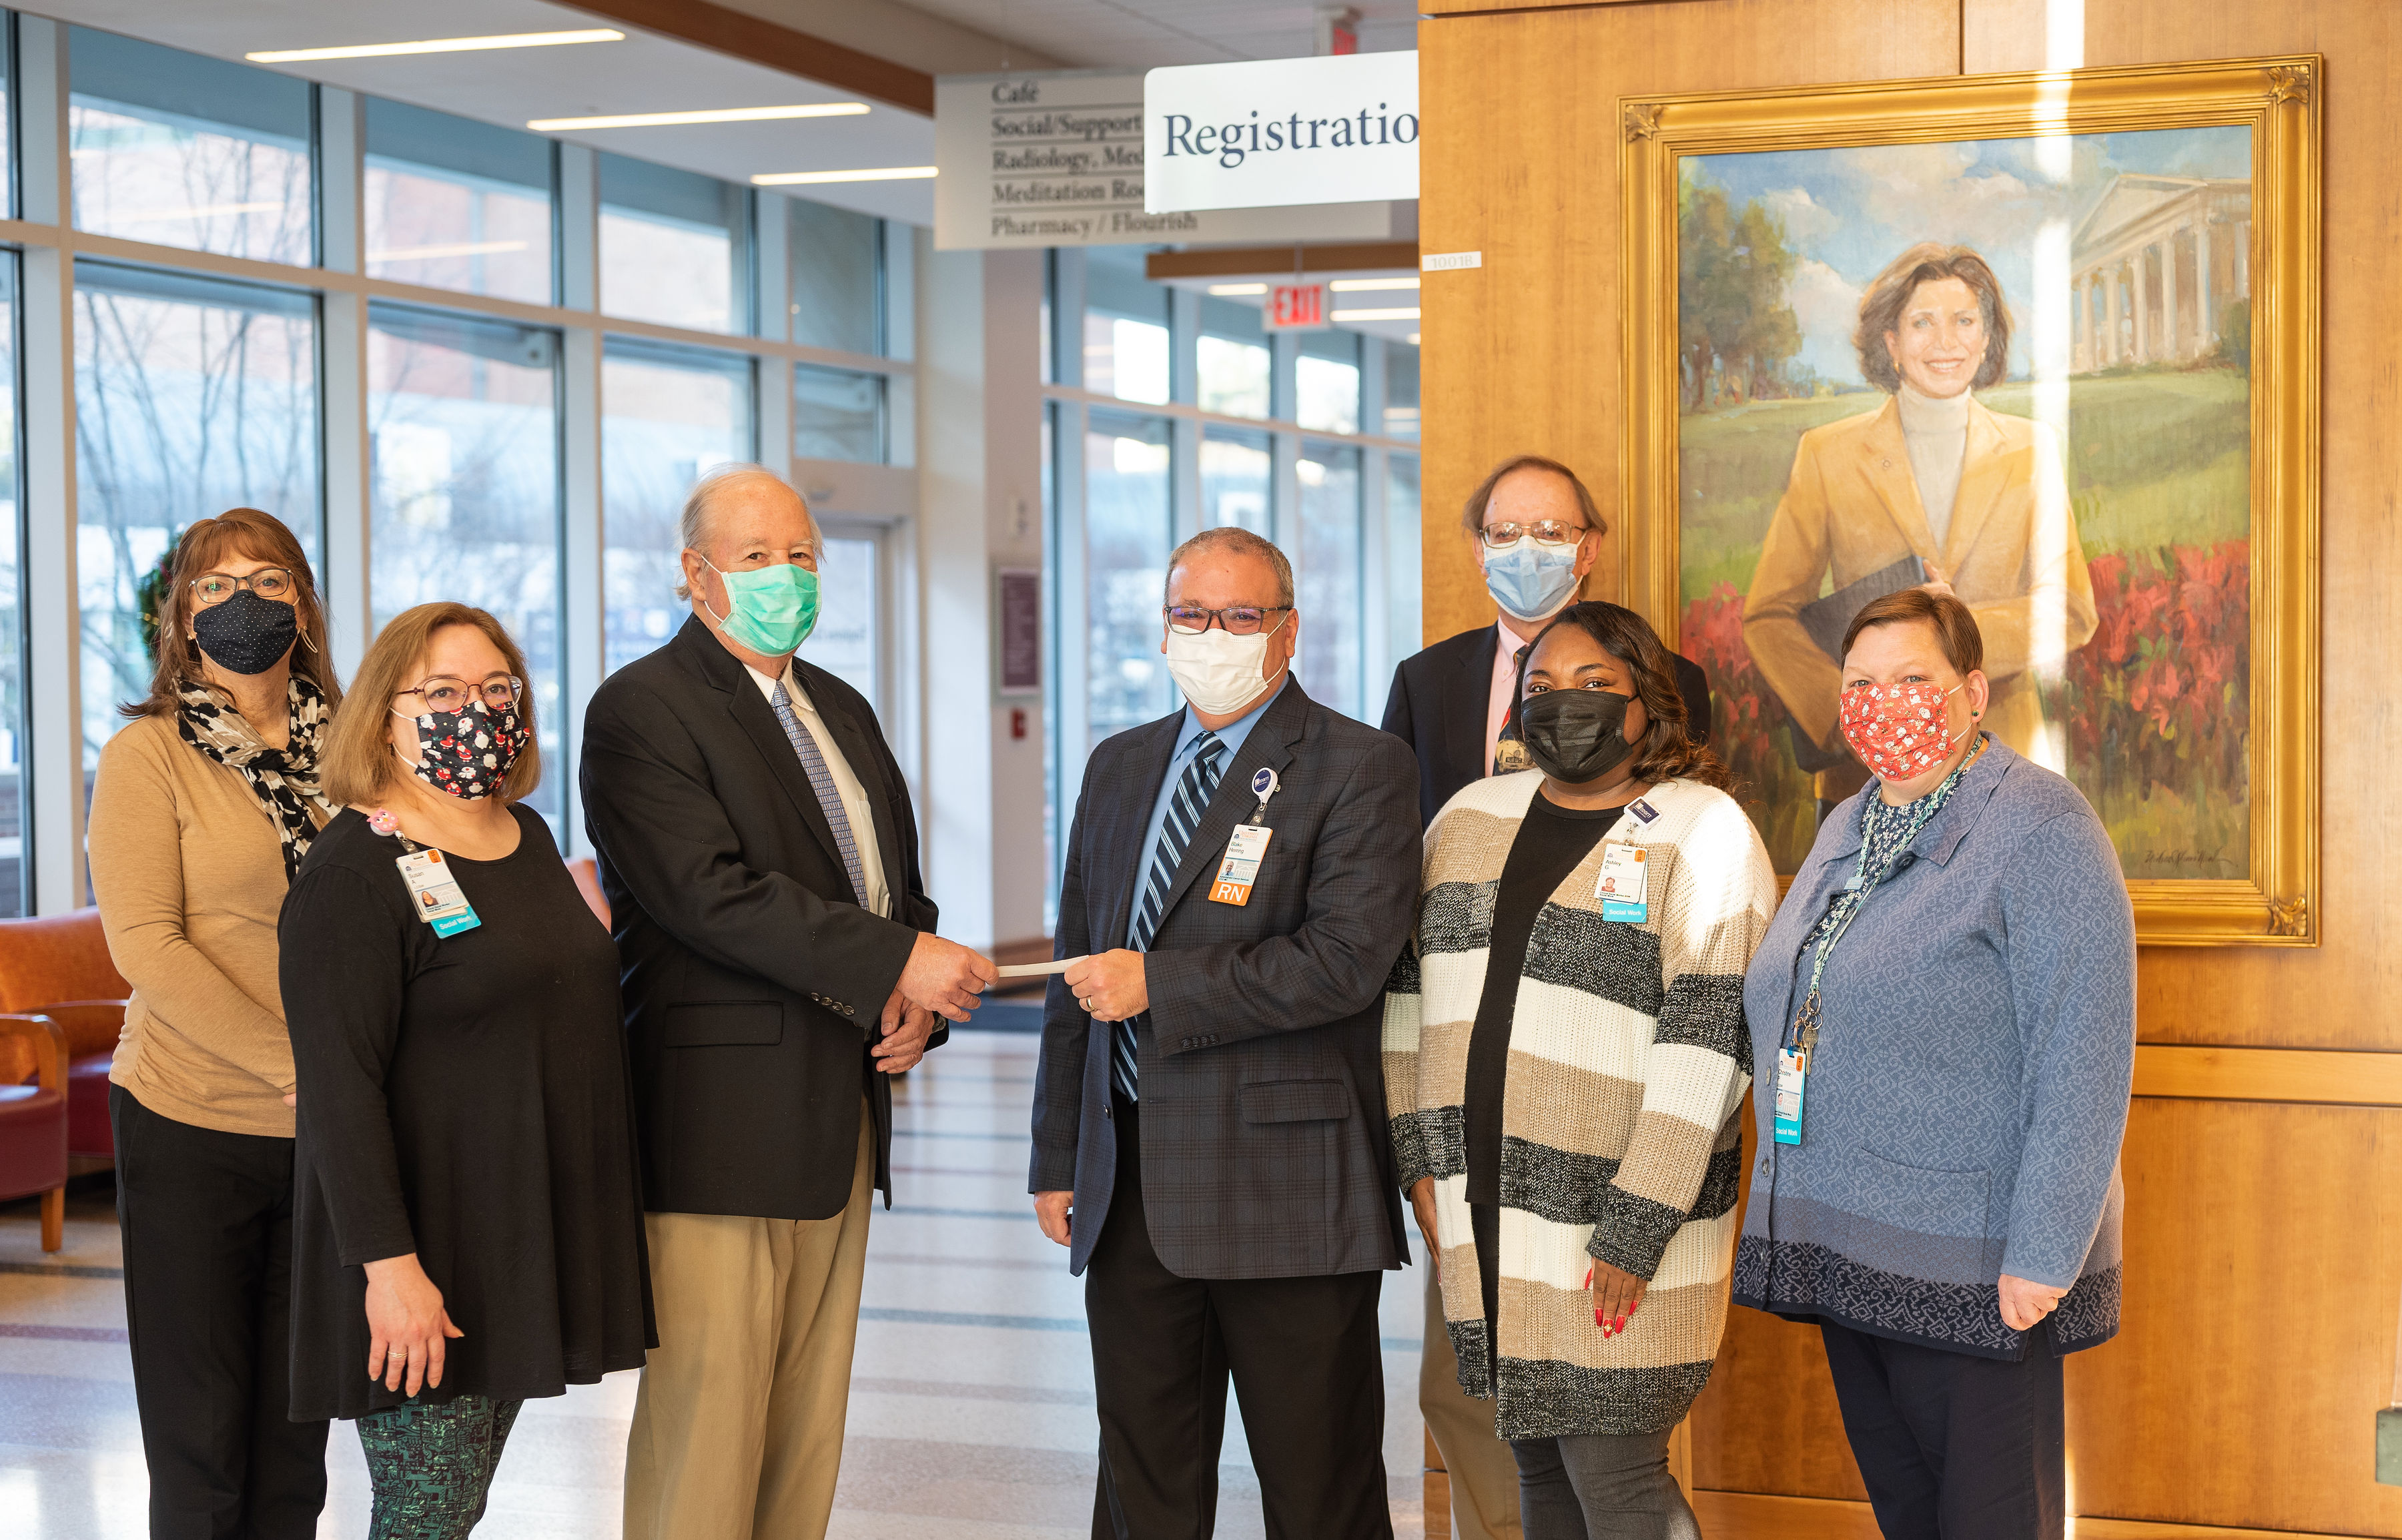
(1601, 1487)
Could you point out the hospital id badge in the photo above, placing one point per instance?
(435, 894)
(1792, 1079)
(1624, 876)
(1240, 868)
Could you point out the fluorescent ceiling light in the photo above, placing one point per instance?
(463, 248)
(1360, 285)
(440, 45)
(1412, 339)
(1409, 314)
(1238, 288)
(716, 115)
(876, 173)
(205, 211)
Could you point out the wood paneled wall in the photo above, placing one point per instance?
(2264, 1238)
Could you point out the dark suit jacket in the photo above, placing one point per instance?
(1441, 698)
(753, 982)
(1265, 1150)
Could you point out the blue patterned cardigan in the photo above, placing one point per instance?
(1970, 1084)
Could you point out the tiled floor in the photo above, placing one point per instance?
(972, 1404)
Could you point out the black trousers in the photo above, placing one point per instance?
(1954, 1446)
(1305, 1358)
(207, 1222)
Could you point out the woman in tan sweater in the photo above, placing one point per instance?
(205, 805)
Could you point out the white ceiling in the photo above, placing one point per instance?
(1143, 34)
(648, 72)
(642, 74)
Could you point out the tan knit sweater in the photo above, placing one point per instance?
(189, 875)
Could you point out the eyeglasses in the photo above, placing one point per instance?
(267, 582)
(1547, 531)
(443, 693)
(1243, 620)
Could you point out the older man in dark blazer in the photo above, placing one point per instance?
(760, 859)
(1209, 1109)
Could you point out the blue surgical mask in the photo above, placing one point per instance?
(1530, 581)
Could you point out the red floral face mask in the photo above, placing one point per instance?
(1899, 731)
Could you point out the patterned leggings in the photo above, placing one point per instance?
(431, 1465)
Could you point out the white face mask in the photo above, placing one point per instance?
(1218, 671)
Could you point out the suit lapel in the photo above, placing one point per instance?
(1269, 746)
(1888, 470)
(1119, 850)
(1984, 476)
(1468, 705)
(758, 719)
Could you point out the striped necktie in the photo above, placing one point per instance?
(822, 782)
(1184, 811)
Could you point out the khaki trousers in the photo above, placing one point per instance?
(1484, 1473)
(738, 1426)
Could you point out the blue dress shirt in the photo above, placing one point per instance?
(1188, 743)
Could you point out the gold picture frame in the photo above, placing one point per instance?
(2278, 99)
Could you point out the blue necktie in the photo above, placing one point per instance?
(822, 782)
(1191, 800)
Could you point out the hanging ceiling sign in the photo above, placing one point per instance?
(1281, 131)
(1056, 158)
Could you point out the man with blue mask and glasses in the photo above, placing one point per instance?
(1535, 533)
(760, 858)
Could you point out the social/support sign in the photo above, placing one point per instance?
(1295, 308)
(1258, 134)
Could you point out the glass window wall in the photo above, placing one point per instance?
(1234, 360)
(1326, 382)
(1329, 578)
(192, 396)
(1126, 327)
(1238, 480)
(179, 149)
(1129, 533)
(837, 262)
(1401, 391)
(845, 641)
(462, 422)
(837, 414)
(456, 204)
(675, 247)
(667, 415)
(13, 895)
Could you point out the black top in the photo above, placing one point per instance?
(1551, 841)
(1441, 698)
(464, 1098)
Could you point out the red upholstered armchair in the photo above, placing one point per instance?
(33, 1122)
(57, 966)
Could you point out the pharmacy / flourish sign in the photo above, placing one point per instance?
(1337, 129)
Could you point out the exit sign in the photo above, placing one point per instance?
(1296, 308)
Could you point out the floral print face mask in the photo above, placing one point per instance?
(468, 752)
(1899, 731)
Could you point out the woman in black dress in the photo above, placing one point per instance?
(469, 1230)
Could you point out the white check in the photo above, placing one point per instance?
(1036, 971)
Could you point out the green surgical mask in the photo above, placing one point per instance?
(771, 611)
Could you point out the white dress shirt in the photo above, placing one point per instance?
(855, 806)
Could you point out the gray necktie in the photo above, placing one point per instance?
(822, 782)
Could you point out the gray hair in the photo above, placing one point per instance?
(1241, 542)
(692, 525)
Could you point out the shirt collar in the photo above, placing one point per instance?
(1189, 735)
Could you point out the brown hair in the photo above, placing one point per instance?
(358, 764)
(1473, 516)
(1955, 624)
(1665, 752)
(1930, 261)
(261, 537)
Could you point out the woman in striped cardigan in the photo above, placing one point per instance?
(1566, 1059)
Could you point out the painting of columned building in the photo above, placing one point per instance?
(2154, 266)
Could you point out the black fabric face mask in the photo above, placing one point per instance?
(246, 634)
(1575, 736)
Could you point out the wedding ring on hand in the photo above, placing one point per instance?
(1084, 1000)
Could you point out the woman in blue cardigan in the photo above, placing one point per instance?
(1943, 1032)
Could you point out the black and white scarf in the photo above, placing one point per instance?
(285, 779)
